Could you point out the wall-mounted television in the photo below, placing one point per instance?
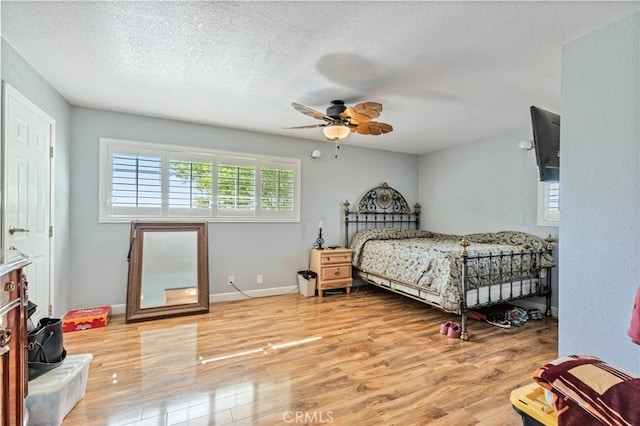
(546, 139)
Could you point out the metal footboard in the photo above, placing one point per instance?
(503, 271)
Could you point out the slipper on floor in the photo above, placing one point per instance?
(455, 330)
(444, 328)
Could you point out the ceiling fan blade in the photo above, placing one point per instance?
(311, 112)
(310, 126)
(373, 128)
(363, 112)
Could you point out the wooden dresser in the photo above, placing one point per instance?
(333, 267)
(13, 338)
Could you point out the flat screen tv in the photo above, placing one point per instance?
(546, 139)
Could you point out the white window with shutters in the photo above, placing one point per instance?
(548, 203)
(277, 188)
(236, 187)
(136, 184)
(141, 180)
(190, 185)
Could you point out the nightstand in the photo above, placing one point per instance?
(333, 267)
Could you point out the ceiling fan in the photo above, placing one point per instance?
(340, 120)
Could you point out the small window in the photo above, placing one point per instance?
(189, 186)
(277, 188)
(548, 204)
(146, 180)
(236, 187)
(136, 183)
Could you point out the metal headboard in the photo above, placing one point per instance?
(381, 207)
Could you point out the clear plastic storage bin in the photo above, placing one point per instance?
(52, 395)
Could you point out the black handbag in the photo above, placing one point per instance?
(45, 347)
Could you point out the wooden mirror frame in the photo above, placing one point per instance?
(134, 285)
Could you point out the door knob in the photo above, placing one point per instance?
(13, 230)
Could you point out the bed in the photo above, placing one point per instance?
(455, 273)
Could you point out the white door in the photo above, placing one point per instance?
(28, 137)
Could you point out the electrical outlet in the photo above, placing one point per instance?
(259, 279)
(231, 280)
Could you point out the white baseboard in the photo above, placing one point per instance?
(226, 297)
(118, 309)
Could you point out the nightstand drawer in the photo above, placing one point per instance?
(336, 272)
(329, 259)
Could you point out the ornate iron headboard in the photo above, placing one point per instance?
(381, 207)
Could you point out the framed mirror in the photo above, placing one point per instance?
(168, 270)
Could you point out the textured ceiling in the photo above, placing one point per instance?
(447, 73)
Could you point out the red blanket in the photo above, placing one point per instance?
(585, 389)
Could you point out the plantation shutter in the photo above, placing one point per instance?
(277, 188)
(136, 183)
(553, 196)
(236, 187)
(190, 185)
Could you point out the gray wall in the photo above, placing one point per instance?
(275, 250)
(600, 175)
(21, 75)
(483, 187)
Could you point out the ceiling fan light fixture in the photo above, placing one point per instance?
(336, 132)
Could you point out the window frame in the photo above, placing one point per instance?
(547, 216)
(109, 146)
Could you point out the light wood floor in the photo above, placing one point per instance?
(369, 358)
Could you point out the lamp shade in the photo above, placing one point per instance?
(336, 131)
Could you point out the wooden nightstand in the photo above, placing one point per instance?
(333, 267)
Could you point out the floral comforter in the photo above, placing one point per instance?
(433, 261)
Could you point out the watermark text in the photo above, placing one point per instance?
(304, 417)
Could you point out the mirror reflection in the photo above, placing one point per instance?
(168, 270)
